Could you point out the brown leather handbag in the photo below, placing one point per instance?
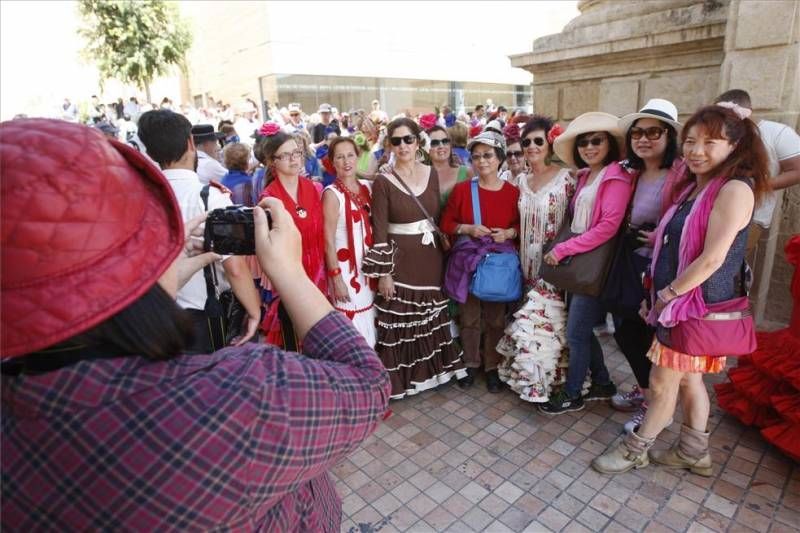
(584, 273)
(444, 239)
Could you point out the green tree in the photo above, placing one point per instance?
(134, 41)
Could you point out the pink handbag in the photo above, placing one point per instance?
(727, 330)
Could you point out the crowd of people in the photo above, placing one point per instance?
(447, 244)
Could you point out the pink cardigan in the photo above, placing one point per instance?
(613, 195)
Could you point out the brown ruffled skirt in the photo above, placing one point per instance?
(414, 340)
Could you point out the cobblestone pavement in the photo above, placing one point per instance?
(450, 460)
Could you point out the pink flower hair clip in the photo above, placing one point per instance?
(427, 121)
(268, 129)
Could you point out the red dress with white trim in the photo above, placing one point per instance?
(764, 389)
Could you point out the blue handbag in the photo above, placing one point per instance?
(498, 277)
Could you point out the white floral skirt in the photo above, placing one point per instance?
(535, 346)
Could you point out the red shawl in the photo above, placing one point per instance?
(310, 226)
(352, 216)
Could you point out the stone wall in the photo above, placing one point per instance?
(762, 56)
(617, 55)
(229, 46)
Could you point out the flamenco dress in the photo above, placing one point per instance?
(764, 388)
(534, 346)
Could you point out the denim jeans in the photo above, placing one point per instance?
(585, 352)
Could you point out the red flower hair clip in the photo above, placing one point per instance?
(268, 129)
(554, 132)
(427, 121)
(475, 130)
(511, 133)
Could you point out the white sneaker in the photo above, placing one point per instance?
(636, 420)
(607, 328)
(629, 401)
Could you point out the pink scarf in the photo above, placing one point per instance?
(693, 235)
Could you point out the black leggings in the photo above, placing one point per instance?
(634, 338)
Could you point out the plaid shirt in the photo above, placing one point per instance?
(236, 440)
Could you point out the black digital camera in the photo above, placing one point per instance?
(231, 231)
(632, 234)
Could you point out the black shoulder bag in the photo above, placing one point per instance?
(224, 312)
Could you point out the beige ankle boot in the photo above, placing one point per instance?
(630, 452)
(691, 452)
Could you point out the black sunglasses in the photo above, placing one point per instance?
(594, 141)
(514, 153)
(408, 139)
(653, 133)
(538, 141)
(437, 142)
(485, 155)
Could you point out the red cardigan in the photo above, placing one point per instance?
(498, 208)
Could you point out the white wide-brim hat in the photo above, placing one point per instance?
(656, 108)
(593, 121)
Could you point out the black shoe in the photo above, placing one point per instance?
(468, 380)
(600, 392)
(561, 402)
(493, 383)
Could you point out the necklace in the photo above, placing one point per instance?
(361, 198)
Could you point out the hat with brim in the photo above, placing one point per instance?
(489, 138)
(91, 235)
(494, 125)
(205, 132)
(593, 121)
(656, 108)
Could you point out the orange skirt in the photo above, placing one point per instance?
(665, 356)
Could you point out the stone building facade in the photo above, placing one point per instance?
(617, 55)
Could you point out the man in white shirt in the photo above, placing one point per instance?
(783, 148)
(131, 109)
(167, 136)
(246, 122)
(207, 142)
(68, 111)
(377, 114)
(295, 123)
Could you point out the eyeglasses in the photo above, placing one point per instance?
(594, 141)
(286, 156)
(408, 139)
(486, 156)
(437, 142)
(345, 157)
(538, 141)
(515, 153)
(653, 133)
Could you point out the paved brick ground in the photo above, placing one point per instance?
(450, 460)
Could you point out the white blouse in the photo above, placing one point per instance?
(584, 205)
